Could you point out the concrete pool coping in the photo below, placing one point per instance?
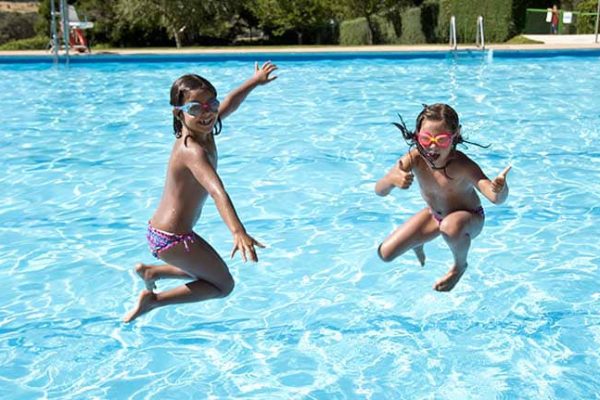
(551, 42)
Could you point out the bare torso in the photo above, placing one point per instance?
(183, 197)
(452, 190)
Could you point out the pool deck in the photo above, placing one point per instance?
(550, 42)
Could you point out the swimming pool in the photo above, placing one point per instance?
(320, 317)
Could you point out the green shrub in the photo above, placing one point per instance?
(14, 26)
(34, 43)
(586, 23)
(355, 32)
(385, 32)
(430, 23)
(443, 24)
(412, 33)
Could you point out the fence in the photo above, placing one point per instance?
(537, 23)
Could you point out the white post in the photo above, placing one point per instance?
(597, 18)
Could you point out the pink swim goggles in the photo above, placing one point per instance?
(442, 140)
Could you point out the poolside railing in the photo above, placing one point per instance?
(65, 27)
(453, 42)
(479, 36)
(538, 21)
(53, 34)
(62, 13)
(597, 19)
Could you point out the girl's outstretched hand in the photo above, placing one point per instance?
(245, 244)
(499, 183)
(262, 74)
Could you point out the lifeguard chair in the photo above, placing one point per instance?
(68, 21)
(77, 39)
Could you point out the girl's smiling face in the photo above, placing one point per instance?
(436, 140)
(200, 111)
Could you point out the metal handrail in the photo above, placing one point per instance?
(65, 28)
(453, 43)
(597, 19)
(64, 20)
(53, 32)
(479, 36)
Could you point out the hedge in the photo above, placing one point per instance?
(385, 32)
(430, 23)
(587, 23)
(412, 32)
(354, 32)
(497, 19)
(387, 28)
(15, 26)
(34, 43)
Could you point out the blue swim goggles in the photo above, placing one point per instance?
(195, 108)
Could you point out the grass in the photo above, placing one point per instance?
(33, 43)
(520, 39)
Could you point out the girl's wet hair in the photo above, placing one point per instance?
(434, 112)
(179, 92)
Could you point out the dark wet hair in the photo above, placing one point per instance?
(434, 112)
(179, 91)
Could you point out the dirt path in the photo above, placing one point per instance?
(28, 7)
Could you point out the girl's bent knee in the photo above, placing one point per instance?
(382, 256)
(227, 287)
(451, 230)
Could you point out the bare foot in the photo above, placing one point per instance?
(143, 271)
(420, 254)
(146, 302)
(448, 281)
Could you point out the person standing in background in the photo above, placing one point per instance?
(553, 19)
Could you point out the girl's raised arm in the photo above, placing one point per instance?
(237, 96)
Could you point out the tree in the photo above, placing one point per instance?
(42, 26)
(292, 15)
(102, 13)
(208, 17)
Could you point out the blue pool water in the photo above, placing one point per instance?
(319, 317)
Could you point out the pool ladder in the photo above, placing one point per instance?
(64, 19)
(453, 42)
(479, 36)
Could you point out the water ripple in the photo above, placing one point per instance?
(320, 316)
